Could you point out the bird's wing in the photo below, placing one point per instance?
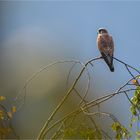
(106, 47)
(111, 46)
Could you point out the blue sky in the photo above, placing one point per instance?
(31, 31)
(80, 19)
(69, 29)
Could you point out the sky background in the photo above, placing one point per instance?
(33, 34)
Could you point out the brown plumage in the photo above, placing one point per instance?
(106, 47)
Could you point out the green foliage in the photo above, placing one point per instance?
(121, 131)
(135, 109)
(138, 133)
(135, 106)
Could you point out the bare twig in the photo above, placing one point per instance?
(102, 114)
(17, 98)
(105, 98)
(55, 135)
(79, 110)
(67, 81)
(129, 71)
(83, 105)
(44, 130)
(127, 65)
(41, 134)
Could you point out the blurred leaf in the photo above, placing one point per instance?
(121, 131)
(135, 82)
(133, 120)
(14, 109)
(138, 133)
(2, 98)
(130, 125)
(10, 114)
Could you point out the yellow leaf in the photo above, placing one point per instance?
(1, 114)
(135, 82)
(14, 109)
(10, 114)
(2, 98)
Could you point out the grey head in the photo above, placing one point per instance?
(102, 30)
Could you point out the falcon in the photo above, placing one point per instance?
(106, 47)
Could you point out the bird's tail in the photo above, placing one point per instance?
(109, 61)
(111, 67)
(110, 64)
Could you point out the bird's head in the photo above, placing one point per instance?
(102, 30)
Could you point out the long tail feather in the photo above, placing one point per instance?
(109, 61)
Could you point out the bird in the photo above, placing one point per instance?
(106, 47)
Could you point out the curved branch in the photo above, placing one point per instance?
(101, 113)
(79, 110)
(42, 132)
(35, 75)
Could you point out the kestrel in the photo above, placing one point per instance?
(106, 47)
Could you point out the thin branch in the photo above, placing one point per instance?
(67, 81)
(35, 75)
(44, 131)
(41, 134)
(78, 110)
(87, 89)
(88, 105)
(129, 71)
(132, 102)
(88, 82)
(55, 135)
(104, 98)
(126, 65)
(101, 113)
(127, 83)
(91, 119)
(79, 95)
(107, 136)
(129, 99)
(86, 92)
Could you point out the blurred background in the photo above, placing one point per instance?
(34, 34)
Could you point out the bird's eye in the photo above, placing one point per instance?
(99, 31)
